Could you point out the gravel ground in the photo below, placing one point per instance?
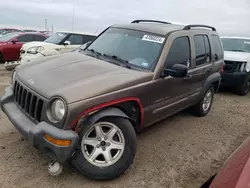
(182, 151)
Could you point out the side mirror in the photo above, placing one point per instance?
(178, 71)
(14, 41)
(66, 42)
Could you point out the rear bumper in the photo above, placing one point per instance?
(233, 79)
(34, 133)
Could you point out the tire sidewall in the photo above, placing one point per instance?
(115, 170)
(244, 89)
(203, 112)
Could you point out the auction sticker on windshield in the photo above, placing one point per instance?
(246, 42)
(152, 38)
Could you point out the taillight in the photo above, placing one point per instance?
(222, 68)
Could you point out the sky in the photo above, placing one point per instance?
(230, 17)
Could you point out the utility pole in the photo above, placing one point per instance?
(73, 16)
(52, 29)
(46, 24)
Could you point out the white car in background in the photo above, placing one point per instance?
(57, 43)
(236, 73)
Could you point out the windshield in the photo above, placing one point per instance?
(56, 38)
(7, 37)
(237, 45)
(136, 47)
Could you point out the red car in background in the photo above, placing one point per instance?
(235, 173)
(10, 44)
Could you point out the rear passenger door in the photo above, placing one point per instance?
(201, 64)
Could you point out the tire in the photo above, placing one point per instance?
(243, 89)
(199, 109)
(92, 168)
(1, 57)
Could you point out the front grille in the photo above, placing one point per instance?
(232, 66)
(31, 104)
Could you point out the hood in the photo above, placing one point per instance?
(3, 43)
(236, 56)
(28, 45)
(75, 76)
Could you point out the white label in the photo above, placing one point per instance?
(153, 39)
(247, 42)
(144, 64)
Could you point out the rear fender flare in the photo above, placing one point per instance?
(216, 77)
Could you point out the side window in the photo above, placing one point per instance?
(202, 49)
(87, 38)
(75, 39)
(218, 52)
(39, 38)
(25, 38)
(179, 52)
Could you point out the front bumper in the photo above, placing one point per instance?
(34, 133)
(234, 79)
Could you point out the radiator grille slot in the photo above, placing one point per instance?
(31, 104)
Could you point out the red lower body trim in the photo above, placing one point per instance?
(103, 105)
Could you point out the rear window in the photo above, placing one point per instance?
(218, 51)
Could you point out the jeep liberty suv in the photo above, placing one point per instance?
(86, 106)
(236, 73)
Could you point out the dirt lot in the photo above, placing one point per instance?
(182, 151)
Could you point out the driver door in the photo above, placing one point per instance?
(170, 94)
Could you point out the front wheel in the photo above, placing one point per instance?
(107, 148)
(244, 88)
(203, 107)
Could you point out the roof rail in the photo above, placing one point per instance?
(155, 21)
(187, 27)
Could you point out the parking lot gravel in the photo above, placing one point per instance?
(180, 152)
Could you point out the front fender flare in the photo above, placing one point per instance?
(106, 112)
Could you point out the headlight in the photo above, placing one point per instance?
(13, 78)
(57, 110)
(35, 50)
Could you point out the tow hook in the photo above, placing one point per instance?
(55, 168)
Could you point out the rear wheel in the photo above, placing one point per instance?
(107, 148)
(243, 89)
(203, 107)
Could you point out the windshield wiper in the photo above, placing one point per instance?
(125, 62)
(95, 52)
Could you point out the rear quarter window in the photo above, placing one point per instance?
(216, 44)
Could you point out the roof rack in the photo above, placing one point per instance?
(187, 27)
(155, 21)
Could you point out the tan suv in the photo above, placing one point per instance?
(86, 106)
